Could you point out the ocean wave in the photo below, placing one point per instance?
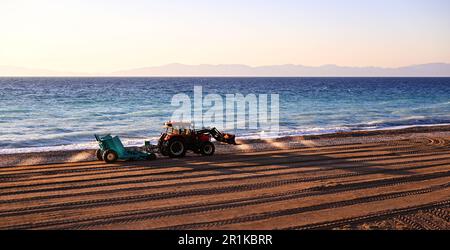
(405, 121)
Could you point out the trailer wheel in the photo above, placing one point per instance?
(99, 154)
(151, 156)
(110, 156)
(176, 148)
(207, 149)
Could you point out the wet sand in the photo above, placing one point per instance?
(395, 179)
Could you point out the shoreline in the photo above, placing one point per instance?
(246, 145)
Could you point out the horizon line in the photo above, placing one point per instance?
(40, 72)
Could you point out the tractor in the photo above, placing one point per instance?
(182, 136)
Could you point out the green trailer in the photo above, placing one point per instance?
(111, 149)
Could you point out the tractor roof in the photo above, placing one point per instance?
(171, 124)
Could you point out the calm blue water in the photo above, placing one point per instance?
(64, 113)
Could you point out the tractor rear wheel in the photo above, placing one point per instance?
(99, 154)
(176, 148)
(110, 156)
(207, 149)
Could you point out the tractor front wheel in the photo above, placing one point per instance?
(163, 151)
(110, 156)
(176, 148)
(99, 154)
(207, 149)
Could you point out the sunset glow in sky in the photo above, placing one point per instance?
(108, 35)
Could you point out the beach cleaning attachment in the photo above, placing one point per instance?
(111, 149)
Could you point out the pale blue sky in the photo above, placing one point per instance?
(105, 35)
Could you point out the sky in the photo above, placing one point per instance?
(108, 35)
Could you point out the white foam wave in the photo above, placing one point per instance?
(132, 142)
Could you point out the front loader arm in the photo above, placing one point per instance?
(219, 136)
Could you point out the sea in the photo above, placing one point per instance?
(46, 114)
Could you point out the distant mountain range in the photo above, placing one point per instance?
(435, 69)
(288, 70)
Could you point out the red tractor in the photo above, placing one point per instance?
(181, 136)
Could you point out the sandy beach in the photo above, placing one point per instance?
(386, 179)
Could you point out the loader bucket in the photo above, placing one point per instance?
(229, 138)
(219, 136)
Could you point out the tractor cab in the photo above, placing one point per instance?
(179, 128)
